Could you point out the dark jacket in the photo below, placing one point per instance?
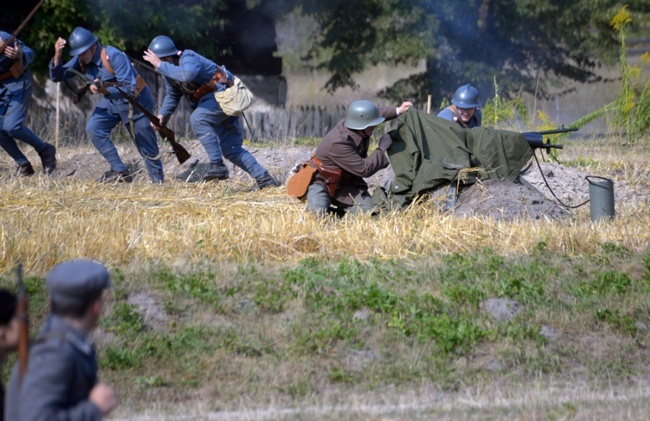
(61, 372)
(345, 149)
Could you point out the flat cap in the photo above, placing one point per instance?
(76, 282)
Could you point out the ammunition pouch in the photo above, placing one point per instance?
(298, 184)
(209, 86)
(203, 90)
(15, 71)
(331, 176)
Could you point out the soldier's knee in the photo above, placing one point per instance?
(11, 127)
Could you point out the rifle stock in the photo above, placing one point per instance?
(23, 329)
(166, 133)
(78, 94)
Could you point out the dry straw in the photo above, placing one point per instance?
(43, 221)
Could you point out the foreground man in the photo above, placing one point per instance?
(197, 78)
(9, 335)
(110, 64)
(15, 96)
(465, 108)
(61, 378)
(344, 161)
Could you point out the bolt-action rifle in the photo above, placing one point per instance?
(536, 139)
(13, 36)
(181, 153)
(78, 93)
(23, 324)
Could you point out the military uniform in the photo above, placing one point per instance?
(113, 108)
(220, 134)
(62, 365)
(15, 98)
(450, 112)
(62, 370)
(346, 149)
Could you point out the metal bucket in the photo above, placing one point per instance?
(601, 197)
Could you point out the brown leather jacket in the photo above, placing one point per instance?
(346, 149)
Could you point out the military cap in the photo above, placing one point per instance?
(76, 282)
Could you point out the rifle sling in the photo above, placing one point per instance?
(140, 83)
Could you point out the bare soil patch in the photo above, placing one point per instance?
(498, 199)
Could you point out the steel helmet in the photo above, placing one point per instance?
(466, 97)
(163, 46)
(80, 40)
(362, 114)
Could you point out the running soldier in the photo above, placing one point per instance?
(191, 75)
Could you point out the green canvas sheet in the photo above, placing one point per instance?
(429, 151)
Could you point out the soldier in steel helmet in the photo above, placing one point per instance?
(109, 64)
(344, 161)
(191, 75)
(15, 97)
(465, 107)
(61, 379)
(9, 333)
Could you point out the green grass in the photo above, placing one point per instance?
(281, 333)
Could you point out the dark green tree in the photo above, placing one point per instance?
(474, 41)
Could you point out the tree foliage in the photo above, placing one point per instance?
(474, 41)
(516, 41)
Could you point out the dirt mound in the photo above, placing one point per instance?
(505, 200)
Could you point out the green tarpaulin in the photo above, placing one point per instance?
(429, 151)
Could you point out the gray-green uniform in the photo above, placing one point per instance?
(62, 365)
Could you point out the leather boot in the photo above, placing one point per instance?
(25, 169)
(266, 180)
(48, 158)
(217, 171)
(112, 176)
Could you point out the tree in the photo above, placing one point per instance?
(472, 41)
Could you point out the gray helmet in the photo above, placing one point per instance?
(80, 40)
(362, 114)
(163, 46)
(466, 97)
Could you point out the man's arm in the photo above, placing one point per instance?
(172, 98)
(347, 158)
(57, 68)
(46, 387)
(185, 72)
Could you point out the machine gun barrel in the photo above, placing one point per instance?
(557, 131)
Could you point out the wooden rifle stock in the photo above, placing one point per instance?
(23, 327)
(181, 153)
(20, 27)
(77, 94)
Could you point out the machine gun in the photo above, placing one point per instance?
(536, 139)
(181, 153)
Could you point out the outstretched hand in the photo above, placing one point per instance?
(406, 105)
(152, 58)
